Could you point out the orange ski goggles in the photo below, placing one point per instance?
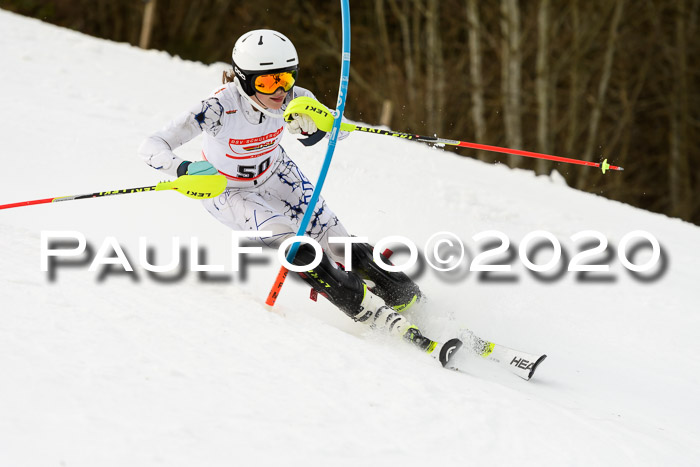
(269, 84)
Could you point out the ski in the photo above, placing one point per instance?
(522, 364)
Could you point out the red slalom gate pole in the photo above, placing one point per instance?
(277, 287)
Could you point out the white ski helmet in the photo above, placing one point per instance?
(261, 52)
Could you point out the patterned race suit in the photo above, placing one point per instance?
(266, 190)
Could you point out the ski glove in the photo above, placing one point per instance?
(196, 168)
(301, 124)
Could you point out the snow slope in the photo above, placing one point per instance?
(124, 369)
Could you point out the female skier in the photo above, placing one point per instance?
(242, 123)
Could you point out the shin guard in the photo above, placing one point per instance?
(344, 289)
(396, 288)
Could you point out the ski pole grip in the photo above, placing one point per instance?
(196, 186)
(319, 113)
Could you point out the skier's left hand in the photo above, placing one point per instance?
(196, 168)
(301, 124)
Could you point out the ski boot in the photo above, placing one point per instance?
(381, 316)
(347, 291)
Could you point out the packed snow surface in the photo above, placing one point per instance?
(114, 368)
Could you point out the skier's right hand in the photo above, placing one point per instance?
(196, 168)
(301, 124)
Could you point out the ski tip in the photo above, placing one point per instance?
(448, 350)
(534, 367)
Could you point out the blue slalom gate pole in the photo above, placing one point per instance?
(340, 108)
